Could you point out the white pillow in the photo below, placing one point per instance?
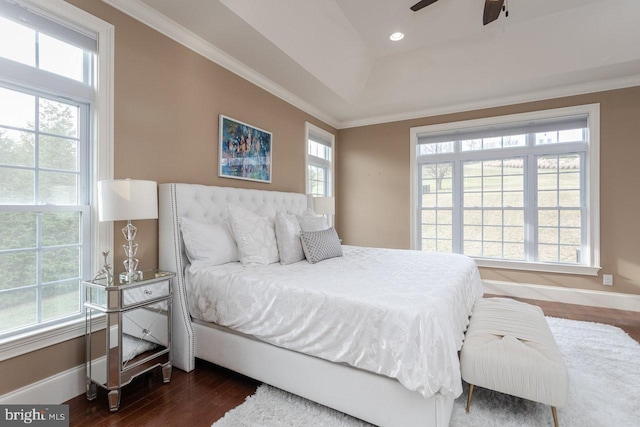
(208, 244)
(255, 236)
(310, 221)
(288, 237)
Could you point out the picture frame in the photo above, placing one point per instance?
(244, 151)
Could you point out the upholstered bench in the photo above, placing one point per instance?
(509, 348)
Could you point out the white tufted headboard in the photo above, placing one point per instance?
(208, 205)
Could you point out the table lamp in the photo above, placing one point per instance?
(127, 200)
(325, 206)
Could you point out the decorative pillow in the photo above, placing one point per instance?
(321, 245)
(310, 221)
(255, 236)
(208, 244)
(288, 238)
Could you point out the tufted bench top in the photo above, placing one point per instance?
(509, 348)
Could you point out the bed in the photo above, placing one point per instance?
(409, 384)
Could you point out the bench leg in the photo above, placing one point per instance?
(471, 394)
(555, 416)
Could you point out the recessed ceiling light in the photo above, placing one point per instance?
(397, 36)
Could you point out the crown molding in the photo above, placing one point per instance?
(564, 91)
(159, 22)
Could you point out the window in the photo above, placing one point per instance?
(320, 146)
(516, 191)
(54, 144)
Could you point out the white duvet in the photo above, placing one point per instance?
(398, 313)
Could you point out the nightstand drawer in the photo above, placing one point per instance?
(140, 294)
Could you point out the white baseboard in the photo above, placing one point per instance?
(54, 390)
(615, 300)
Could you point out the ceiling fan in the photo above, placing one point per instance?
(492, 9)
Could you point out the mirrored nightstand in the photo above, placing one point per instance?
(138, 333)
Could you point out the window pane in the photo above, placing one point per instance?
(569, 198)
(548, 218)
(429, 245)
(489, 143)
(548, 253)
(514, 251)
(492, 199)
(471, 145)
(547, 199)
(443, 216)
(18, 269)
(569, 254)
(472, 217)
(58, 118)
(60, 228)
(17, 109)
(570, 218)
(60, 58)
(571, 135)
(428, 231)
(60, 264)
(23, 42)
(16, 186)
(428, 216)
(570, 236)
(514, 235)
(548, 235)
(492, 250)
(444, 232)
(60, 299)
(18, 309)
(492, 234)
(473, 200)
(512, 217)
(513, 199)
(472, 232)
(58, 153)
(514, 141)
(16, 148)
(546, 138)
(19, 230)
(473, 248)
(444, 245)
(58, 188)
(436, 148)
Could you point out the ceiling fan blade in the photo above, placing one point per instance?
(423, 3)
(492, 9)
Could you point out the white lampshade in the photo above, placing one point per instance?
(324, 205)
(127, 199)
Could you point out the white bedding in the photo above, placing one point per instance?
(394, 312)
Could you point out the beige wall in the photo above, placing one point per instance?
(373, 189)
(167, 103)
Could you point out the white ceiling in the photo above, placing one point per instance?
(334, 59)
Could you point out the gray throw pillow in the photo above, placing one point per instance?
(321, 245)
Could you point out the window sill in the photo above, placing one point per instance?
(45, 337)
(583, 270)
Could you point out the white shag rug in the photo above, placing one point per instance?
(604, 390)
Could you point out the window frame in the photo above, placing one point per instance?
(100, 235)
(592, 193)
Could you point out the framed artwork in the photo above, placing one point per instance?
(244, 152)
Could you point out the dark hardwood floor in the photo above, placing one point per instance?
(201, 397)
